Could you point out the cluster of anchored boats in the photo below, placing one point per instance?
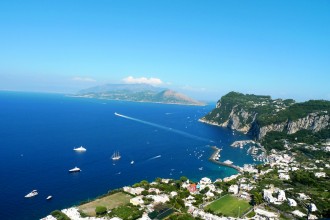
(115, 156)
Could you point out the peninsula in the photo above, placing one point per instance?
(137, 93)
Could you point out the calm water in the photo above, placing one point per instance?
(39, 131)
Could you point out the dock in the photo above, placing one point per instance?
(215, 155)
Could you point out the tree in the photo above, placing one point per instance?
(100, 210)
(183, 178)
(59, 215)
(256, 198)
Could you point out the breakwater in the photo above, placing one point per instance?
(215, 159)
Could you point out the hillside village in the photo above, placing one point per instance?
(288, 186)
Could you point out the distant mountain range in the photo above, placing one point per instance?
(137, 93)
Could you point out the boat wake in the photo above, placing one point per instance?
(155, 157)
(164, 128)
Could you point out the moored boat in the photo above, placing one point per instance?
(228, 162)
(49, 197)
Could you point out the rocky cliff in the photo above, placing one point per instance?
(258, 115)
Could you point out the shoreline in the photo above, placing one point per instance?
(168, 103)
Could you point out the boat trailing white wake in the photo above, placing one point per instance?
(155, 157)
(164, 128)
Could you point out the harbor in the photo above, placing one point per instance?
(215, 158)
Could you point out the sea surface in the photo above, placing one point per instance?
(39, 131)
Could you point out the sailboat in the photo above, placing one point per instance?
(115, 156)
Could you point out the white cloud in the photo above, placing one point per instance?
(83, 79)
(151, 80)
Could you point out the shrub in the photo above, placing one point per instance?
(100, 210)
(59, 215)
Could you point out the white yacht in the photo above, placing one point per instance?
(132, 162)
(31, 194)
(228, 162)
(115, 156)
(49, 197)
(76, 169)
(80, 149)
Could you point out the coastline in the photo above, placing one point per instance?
(127, 100)
(202, 120)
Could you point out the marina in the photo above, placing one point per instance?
(214, 159)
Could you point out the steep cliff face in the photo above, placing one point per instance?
(258, 115)
(314, 122)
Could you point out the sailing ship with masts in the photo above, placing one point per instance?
(115, 156)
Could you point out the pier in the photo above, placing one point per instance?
(216, 154)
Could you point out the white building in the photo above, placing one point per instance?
(155, 190)
(134, 191)
(303, 196)
(173, 194)
(284, 176)
(268, 196)
(313, 207)
(209, 194)
(159, 198)
(320, 174)
(292, 202)
(232, 177)
(298, 213)
(281, 196)
(233, 189)
(138, 200)
(265, 214)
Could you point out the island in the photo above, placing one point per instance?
(137, 93)
(291, 181)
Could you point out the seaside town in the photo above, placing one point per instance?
(284, 185)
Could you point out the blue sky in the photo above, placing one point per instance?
(202, 48)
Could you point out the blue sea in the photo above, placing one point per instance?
(39, 131)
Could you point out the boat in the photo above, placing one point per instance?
(201, 168)
(80, 149)
(74, 170)
(31, 194)
(49, 197)
(132, 162)
(115, 156)
(228, 162)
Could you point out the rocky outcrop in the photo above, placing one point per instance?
(314, 122)
(257, 115)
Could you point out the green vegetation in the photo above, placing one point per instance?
(229, 206)
(182, 216)
(126, 212)
(59, 215)
(259, 111)
(100, 210)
